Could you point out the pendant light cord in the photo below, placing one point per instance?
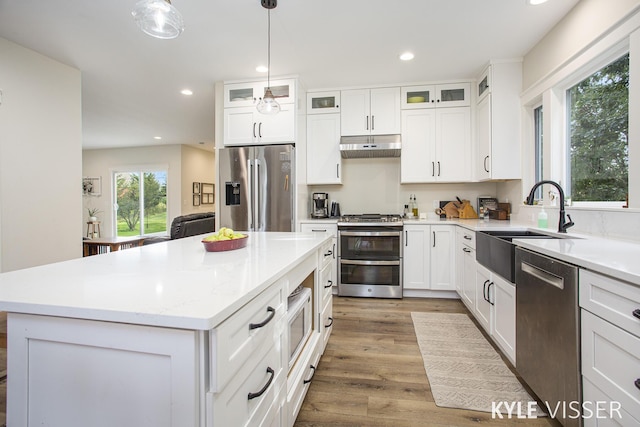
(269, 48)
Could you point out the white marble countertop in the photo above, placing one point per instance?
(171, 284)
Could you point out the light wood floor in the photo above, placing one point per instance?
(372, 373)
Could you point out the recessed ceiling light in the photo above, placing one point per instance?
(157, 137)
(407, 56)
(536, 2)
(186, 92)
(261, 69)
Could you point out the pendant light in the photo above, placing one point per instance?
(158, 18)
(268, 103)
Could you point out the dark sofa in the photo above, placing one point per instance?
(188, 225)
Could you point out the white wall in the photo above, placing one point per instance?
(104, 161)
(588, 20)
(373, 186)
(197, 166)
(40, 159)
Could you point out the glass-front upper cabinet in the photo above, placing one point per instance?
(418, 97)
(436, 96)
(323, 102)
(484, 84)
(248, 94)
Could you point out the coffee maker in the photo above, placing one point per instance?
(320, 205)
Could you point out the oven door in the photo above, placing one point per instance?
(370, 245)
(379, 279)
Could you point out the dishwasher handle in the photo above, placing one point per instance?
(542, 275)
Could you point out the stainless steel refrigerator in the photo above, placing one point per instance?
(257, 187)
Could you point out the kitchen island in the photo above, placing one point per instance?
(162, 335)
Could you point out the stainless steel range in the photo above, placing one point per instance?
(370, 256)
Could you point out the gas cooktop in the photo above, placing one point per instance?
(371, 219)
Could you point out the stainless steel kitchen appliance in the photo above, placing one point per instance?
(320, 205)
(370, 256)
(548, 332)
(259, 190)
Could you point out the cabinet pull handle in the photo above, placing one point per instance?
(467, 237)
(266, 386)
(373, 123)
(317, 230)
(254, 129)
(367, 123)
(328, 253)
(433, 168)
(438, 168)
(330, 284)
(260, 130)
(489, 293)
(485, 164)
(312, 374)
(484, 290)
(406, 238)
(330, 322)
(272, 313)
(636, 313)
(434, 239)
(334, 251)
(467, 250)
(637, 383)
(337, 170)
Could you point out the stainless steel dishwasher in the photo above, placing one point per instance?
(548, 332)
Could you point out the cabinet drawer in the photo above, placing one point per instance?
(610, 299)
(611, 361)
(466, 237)
(250, 395)
(237, 338)
(319, 227)
(326, 284)
(326, 323)
(608, 416)
(327, 254)
(300, 378)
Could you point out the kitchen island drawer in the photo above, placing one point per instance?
(611, 361)
(605, 412)
(326, 323)
(238, 337)
(466, 237)
(252, 394)
(326, 284)
(613, 300)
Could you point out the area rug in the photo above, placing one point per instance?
(463, 369)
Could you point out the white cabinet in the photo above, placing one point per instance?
(495, 309)
(323, 102)
(370, 111)
(435, 96)
(324, 162)
(244, 125)
(466, 266)
(610, 340)
(415, 261)
(248, 94)
(428, 257)
(436, 145)
(498, 122)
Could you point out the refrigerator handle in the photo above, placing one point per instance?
(251, 190)
(257, 201)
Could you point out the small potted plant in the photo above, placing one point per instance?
(92, 214)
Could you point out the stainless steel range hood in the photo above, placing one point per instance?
(367, 146)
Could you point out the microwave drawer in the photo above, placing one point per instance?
(237, 338)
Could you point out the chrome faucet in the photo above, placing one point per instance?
(562, 222)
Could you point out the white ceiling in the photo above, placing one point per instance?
(131, 82)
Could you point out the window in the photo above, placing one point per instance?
(538, 140)
(141, 203)
(598, 124)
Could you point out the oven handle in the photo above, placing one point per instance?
(353, 262)
(371, 233)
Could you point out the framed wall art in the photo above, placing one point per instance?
(92, 186)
